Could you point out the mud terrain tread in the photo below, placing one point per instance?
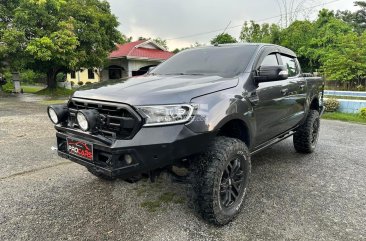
(204, 174)
(302, 136)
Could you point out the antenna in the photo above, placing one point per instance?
(217, 44)
(226, 27)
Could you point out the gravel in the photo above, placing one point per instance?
(321, 196)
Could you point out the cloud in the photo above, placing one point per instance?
(171, 19)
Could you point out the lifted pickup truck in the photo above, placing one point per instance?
(208, 109)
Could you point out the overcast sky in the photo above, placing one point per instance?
(172, 19)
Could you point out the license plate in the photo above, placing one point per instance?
(80, 149)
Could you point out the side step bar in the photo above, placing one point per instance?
(272, 142)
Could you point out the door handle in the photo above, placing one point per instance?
(284, 91)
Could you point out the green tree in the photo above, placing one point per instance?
(297, 37)
(253, 32)
(356, 19)
(52, 36)
(223, 38)
(347, 60)
(327, 29)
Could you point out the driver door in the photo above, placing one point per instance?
(272, 108)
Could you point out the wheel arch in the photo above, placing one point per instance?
(236, 128)
(314, 104)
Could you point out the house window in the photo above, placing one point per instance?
(90, 74)
(73, 75)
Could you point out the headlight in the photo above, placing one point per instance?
(57, 113)
(87, 119)
(166, 114)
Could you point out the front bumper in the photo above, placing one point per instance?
(150, 148)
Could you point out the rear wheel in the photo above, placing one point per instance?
(100, 175)
(306, 136)
(219, 180)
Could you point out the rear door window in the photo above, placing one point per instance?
(291, 65)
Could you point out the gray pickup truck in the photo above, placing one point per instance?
(207, 110)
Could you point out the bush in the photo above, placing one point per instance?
(30, 77)
(61, 77)
(72, 83)
(8, 87)
(88, 83)
(331, 105)
(80, 83)
(363, 113)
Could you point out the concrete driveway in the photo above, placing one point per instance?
(321, 196)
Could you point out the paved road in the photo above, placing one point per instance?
(291, 197)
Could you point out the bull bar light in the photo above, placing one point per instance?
(87, 119)
(57, 113)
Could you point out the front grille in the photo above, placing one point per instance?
(118, 121)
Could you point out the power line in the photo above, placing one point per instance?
(258, 21)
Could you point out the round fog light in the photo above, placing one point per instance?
(128, 159)
(82, 121)
(53, 116)
(57, 113)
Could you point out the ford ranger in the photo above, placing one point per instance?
(207, 109)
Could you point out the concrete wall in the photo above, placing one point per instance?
(348, 106)
(351, 106)
(345, 93)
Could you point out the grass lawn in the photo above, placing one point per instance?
(344, 117)
(58, 92)
(32, 88)
(345, 97)
(52, 102)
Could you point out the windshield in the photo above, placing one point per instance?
(222, 61)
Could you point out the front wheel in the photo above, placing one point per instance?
(220, 179)
(306, 136)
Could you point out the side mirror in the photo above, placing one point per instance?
(271, 73)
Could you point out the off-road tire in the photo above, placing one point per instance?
(206, 175)
(306, 136)
(100, 175)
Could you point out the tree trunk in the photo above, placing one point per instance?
(51, 78)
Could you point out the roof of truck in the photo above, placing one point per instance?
(276, 48)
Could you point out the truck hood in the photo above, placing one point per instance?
(154, 90)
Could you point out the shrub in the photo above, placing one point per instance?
(331, 105)
(61, 77)
(8, 87)
(72, 83)
(363, 113)
(30, 77)
(80, 83)
(88, 83)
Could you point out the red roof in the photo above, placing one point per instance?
(133, 50)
